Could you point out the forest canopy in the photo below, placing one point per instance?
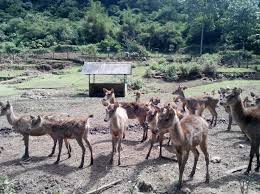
(131, 25)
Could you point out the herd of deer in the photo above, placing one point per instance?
(182, 119)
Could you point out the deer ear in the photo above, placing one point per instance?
(105, 103)
(105, 90)
(32, 117)
(112, 90)
(184, 87)
(90, 116)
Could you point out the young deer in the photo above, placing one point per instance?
(186, 135)
(70, 128)
(199, 103)
(22, 125)
(248, 121)
(134, 110)
(118, 125)
(152, 120)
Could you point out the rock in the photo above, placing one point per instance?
(144, 187)
(215, 159)
(185, 191)
(241, 146)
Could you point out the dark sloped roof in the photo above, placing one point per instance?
(107, 68)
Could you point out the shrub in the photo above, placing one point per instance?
(170, 73)
(133, 46)
(136, 84)
(148, 73)
(232, 58)
(90, 49)
(5, 186)
(195, 71)
(209, 70)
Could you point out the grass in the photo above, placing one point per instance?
(11, 73)
(234, 70)
(244, 84)
(7, 91)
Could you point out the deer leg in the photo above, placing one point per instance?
(90, 149)
(252, 153)
(215, 116)
(113, 149)
(151, 145)
(229, 121)
(60, 148)
(54, 147)
(145, 128)
(67, 144)
(160, 143)
(119, 150)
(80, 142)
(204, 149)
(183, 163)
(196, 157)
(257, 157)
(179, 159)
(26, 144)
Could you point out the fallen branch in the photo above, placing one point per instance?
(236, 169)
(105, 187)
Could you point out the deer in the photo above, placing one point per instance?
(152, 120)
(118, 125)
(248, 119)
(198, 104)
(22, 125)
(134, 110)
(222, 93)
(186, 135)
(71, 128)
(138, 96)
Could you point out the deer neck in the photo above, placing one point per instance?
(137, 100)
(238, 112)
(113, 99)
(177, 133)
(11, 118)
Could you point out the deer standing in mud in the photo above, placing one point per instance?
(70, 128)
(22, 125)
(198, 104)
(118, 125)
(186, 135)
(134, 110)
(248, 119)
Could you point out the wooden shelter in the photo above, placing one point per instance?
(107, 68)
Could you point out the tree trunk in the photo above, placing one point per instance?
(201, 38)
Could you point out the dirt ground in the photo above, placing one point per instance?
(40, 175)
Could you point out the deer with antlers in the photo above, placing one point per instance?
(198, 104)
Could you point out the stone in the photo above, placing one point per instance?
(215, 159)
(144, 187)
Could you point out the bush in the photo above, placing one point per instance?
(90, 50)
(148, 73)
(211, 59)
(232, 58)
(111, 43)
(195, 71)
(134, 47)
(136, 84)
(209, 70)
(170, 73)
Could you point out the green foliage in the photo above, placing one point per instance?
(90, 49)
(136, 84)
(6, 186)
(170, 73)
(230, 57)
(133, 26)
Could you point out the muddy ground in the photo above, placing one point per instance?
(40, 175)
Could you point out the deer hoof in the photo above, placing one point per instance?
(257, 168)
(50, 155)
(57, 162)
(25, 157)
(81, 166)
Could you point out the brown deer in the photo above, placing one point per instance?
(248, 121)
(118, 125)
(186, 135)
(134, 110)
(70, 128)
(222, 94)
(152, 120)
(198, 104)
(22, 125)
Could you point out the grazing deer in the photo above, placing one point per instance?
(194, 104)
(118, 125)
(249, 122)
(222, 94)
(22, 125)
(186, 135)
(152, 120)
(70, 128)
(134, 110)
